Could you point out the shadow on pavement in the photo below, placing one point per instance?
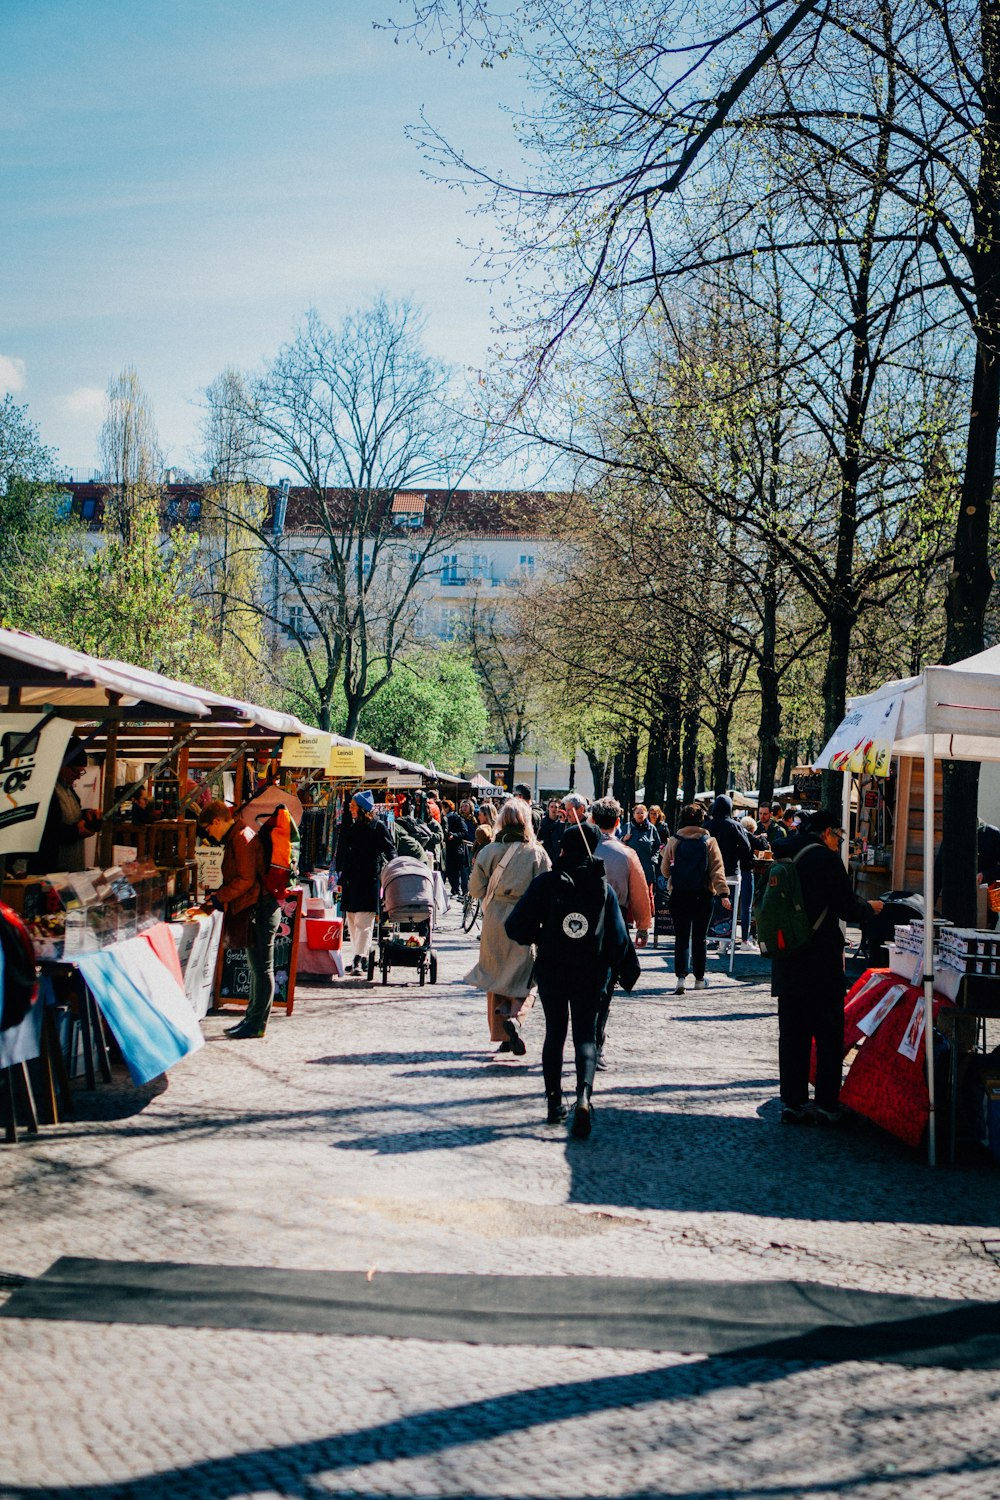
(739, 1015)
(307, 1468)
(379, 1059)
(693, 1162)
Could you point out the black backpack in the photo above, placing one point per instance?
(689, 871)
(573, 929)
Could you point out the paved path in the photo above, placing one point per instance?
(373, 1131)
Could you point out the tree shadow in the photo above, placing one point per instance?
(390, 1059)
(742, 1015)
(306, 1468)
(696, 1163)
(693, 1162)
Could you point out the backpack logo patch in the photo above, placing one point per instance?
(575, 924)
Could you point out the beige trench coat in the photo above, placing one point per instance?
(504, 967)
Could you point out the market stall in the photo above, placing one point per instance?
(946, 713)
(117, 933)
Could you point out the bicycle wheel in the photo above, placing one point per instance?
(470, 913)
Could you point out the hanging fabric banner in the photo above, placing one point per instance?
(28, 777)
(864, 738)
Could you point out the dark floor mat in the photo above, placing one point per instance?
(783, 1320)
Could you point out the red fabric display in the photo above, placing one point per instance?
(883, 1085)
(161, 940)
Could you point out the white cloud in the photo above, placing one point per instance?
(85, 401)
(13, 373)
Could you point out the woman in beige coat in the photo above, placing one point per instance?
(692, 861)
(500, 876)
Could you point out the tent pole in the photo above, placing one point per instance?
(845, 819)
(928, 964)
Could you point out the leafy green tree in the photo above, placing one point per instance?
(133, 601)
(431, 710)
(41, 546)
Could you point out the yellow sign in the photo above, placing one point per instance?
(346, 760)
(306, 749)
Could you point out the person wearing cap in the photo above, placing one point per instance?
(810, 983)
(67, 824)
(360, 860)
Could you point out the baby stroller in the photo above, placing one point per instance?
(405, 927)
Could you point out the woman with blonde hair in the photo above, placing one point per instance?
(500, 876)
(484, 826)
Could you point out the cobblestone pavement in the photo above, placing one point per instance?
(373, 1129)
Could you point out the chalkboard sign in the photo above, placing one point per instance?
(663, 922)
(808, 788)
(232, 983)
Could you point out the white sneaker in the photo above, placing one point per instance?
(701, 984)
(679, 987)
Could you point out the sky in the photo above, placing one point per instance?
(182, 179)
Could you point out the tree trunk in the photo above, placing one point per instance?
(571, 784)
(968, 595)
(510, 774)
(769, 724)
(628, 773)
(720, 749)
(835, 693)
(689, 758)
(617, 773)
(654, 779)
(598, 770)
(971, 580)
(672, 759)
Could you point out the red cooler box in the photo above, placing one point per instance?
(324, 932)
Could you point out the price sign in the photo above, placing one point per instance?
(306, 749)
(346, 760)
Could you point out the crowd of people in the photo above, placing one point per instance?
(567, 897)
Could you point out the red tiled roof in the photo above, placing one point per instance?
(472, 513)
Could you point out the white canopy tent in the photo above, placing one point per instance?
(947, 713)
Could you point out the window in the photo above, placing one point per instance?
(194, 510)
(452, 622)
(88, 509)
(526, 562)
(480, 567)
(296, 620)
(449, 568)
(366, 564)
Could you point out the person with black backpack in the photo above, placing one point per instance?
(575, 922)
(692, 863)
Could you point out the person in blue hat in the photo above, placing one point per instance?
(360, 857)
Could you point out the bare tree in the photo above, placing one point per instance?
(498, 654)
(634, 118)
(365, 419)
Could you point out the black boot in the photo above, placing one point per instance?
(583, 1115)
(557, 1109)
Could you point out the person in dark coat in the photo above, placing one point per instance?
(550, 832)
(810, 984)
(734, 846)
(569, 988)
(457, 839)
(359, 862)
(644, 839)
